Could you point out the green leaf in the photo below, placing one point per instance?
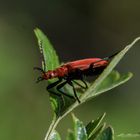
(113, 80)
(51, 61)
(97, 132)
(49, 54)
(79, 129)
(54, 136)
(92, 126)
(92, 90)
(106, 134)
(56, 104)
(70, 135)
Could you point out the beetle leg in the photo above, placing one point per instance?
(84, 87)
(71, 84)
(58, 95)
(62, 85)
(52, 92)
(54, 84)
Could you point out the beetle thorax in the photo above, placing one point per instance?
(62, 71)
(59, 72)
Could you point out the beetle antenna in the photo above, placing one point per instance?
(107, 58)
(39, 79)
(40, 69)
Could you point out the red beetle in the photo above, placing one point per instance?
(75, 70)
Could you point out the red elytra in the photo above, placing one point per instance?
(71, 67)
(71, 71)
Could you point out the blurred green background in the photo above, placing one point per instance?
(77, 29)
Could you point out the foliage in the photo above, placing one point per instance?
(94, 130)
(107, 80)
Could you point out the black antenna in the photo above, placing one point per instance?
(40, 69)
(107, 58)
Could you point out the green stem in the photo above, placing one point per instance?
(51, 128)
(57, 120)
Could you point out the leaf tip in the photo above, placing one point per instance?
(130, 75)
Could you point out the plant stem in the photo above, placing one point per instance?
(51, 128)
(56, 120)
